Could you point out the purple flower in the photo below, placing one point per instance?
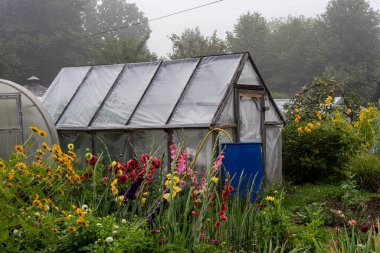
(130, 194)
(215, 242)
(365, 228)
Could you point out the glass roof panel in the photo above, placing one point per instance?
(62, 89)
(89, 97)
(206, 90)
(163, 94)
(248, 75)
(124, 97)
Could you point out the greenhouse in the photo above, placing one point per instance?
(137, 108)
(19, 110)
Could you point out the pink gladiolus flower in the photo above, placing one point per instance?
(352, 222)
(218, 162)
(338, 212)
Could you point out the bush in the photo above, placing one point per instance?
(366, 167)
(319, 154)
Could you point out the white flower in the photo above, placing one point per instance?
(115, 227)
(47, 207)
(109, 239)
(85, 208)
(15, 232)
(37, 214)
(99, 225)
(124, 221)
(114, 232)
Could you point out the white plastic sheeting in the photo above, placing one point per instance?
(113, 144)
(123, 99)
(163, 94)
(228, 114)
(191, 138)
(152, 142)
(88, 99)
(272, 114)
(206, 90)
(9, 113)
(62, 89)
(273, 171)
(250, 119)
(248, 75)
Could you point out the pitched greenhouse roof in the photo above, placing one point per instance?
(164, 94)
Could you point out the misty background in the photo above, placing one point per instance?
(292, 42)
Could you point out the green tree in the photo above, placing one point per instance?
(39, 37)
(110, 15)
(350, 41)
(251, 33)
(122, 50)
(193, 43)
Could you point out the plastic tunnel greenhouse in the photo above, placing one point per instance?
(140, 108)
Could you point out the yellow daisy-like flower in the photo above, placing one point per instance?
(318, 123)
(81, 222)
(9, 185)
(328, 100)
(19, 148)
(297, 118)
(310, 125)
(21, 166)
(34, 129)
(307, 130)
(70, 146)
(45, 146)
(79, 212)
(2, 165)
(42, 133)
(349, 111)
(300, 131)
(54, 230)
(41, 152)
(319, 115)
(71, 229)
(297, 110)
(88, 156)
(214, 180)
(269, 198)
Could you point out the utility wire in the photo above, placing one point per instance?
(150, 20)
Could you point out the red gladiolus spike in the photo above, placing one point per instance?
(217, 224)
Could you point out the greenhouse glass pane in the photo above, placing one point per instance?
(248, 75)
(81, 141)
(62, 89)
(250, 119)
(125, 96)
(90, 96)
(228, 114)
(163, 94)
(153, 142)
(206, 90)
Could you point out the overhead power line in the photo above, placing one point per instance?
(150, 20)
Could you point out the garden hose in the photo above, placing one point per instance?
(204, 141)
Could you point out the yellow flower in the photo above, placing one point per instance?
(143, 201)
(145, 194)
(318, 123)
(300, 131)
(328, 100)
(269, 198)
(176, 180)
(70, 146)
(79, 212)
(297, 118)
(114, 182)
(81, 222)
(71, 229)
(319, 115)
(19, 148)
(21, 166)
(113, 164)
(42, 133)
(37, 204)
(214, 180)
(310, 125)
(119, 199)
(307, 130)
(297, 110)
(54, 230)
(45, 146)
(2, 165)
(168, 176)
(176, 189)
(9, 185)
(34, 129)
(88, 156)
(349, 111)
(167, 196)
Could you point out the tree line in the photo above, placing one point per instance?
(39, 37)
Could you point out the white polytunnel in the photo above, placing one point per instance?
(20, 109)
(146, 107)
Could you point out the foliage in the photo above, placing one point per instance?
(366, 168)
(192, 43)
(322, 135)
(38, 37)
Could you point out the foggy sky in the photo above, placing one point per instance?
(220, 16)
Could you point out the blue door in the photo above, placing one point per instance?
(244, 157)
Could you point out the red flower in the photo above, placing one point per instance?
(144, 158)
(149, 180)
(133, 164)
(156, 162)
(217, 224)
(133, 175)
(194, 213)
(92, 161)
(215, 242)
(123, 179)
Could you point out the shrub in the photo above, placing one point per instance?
(319, 154)
(366, 167)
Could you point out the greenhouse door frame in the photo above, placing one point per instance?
(17, 97)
